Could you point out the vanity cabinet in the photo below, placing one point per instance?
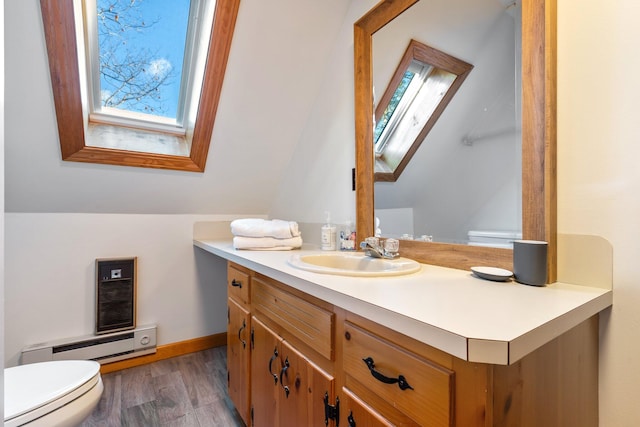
(310, 363)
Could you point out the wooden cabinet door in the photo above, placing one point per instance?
(265, 369)
(287, 390)
(239, 358)
(354, 412)
(302, 390)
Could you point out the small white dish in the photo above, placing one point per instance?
(492, 273)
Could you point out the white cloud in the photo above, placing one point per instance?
(159, 67)
(104, 95)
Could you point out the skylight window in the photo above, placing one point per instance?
(87, 134)
(141, 61)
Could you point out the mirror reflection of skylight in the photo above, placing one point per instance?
(141, 50)
(393, 104)
(427, 93)
(415, 91)
(420, 89)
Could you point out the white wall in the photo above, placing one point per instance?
(599, 177)
(2, 207)
(50, 275)
(395, 222)
(318, 178)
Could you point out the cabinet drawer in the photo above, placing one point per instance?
(417, 388)
(294, 316)
(238, 285)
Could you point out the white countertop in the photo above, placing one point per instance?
(453, 310)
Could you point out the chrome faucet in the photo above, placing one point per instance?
(372, 248)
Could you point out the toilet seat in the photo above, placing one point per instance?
(38, 389)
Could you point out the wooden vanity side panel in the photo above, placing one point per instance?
(473, 394)
(557, 385)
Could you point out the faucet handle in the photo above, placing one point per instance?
(373, 241)
(392, 246)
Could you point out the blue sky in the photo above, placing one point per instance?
(165, 39)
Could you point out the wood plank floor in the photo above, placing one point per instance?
(186, 391)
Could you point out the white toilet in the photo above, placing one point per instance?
(58, 393)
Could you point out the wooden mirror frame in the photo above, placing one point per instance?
(538, 139)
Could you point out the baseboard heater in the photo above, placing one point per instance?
(104, 348)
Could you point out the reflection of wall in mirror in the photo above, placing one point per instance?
(452, 187)
(395, 222)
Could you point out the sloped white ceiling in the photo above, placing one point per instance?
(277, 63)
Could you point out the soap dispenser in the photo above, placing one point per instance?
(328, 235)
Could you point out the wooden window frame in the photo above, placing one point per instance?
(60, 35)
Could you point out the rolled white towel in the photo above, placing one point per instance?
(256, 227)
(267, 243)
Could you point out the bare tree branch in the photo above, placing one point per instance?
(129, 78)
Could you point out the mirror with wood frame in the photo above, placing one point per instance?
(538, 138)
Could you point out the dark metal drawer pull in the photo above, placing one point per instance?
(236, 283)
(283, 372)
(401, 380)
(350, 420)
(274, 357)
(244, 325)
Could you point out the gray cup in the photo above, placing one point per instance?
(530, 262)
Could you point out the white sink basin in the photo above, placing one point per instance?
(353, 264)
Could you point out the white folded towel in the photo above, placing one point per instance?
(256, 227)
(267, 243)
